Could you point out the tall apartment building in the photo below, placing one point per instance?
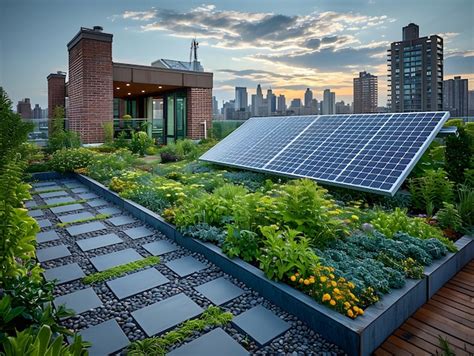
(282, 103)
(365, 93)
(271, 102)
(328, 106)
(455, 97)
(241, 99)
(37, 112)
(215, 106)
(308, 97)
(24, 108)
(415, 70)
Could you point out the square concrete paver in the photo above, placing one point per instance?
(43, 184)
(45, 188)
(64, 274)
(66, 208)
(60, 200)
(261, 324)
(85, 228)
(162, 316)
(44, 223)
(215, 342)
(81, 189)
(109, 210)
(113, 259)
(161, 247)
(122, 220)
(52, 253)
(138, 232)
(98, 242)
(79, 301)
(97, 202)
(30, 204)
(185, 266)
(47, 236)
(73, 185)
(88, 196)
(106, 338)
(73, 217)
(219, 291)
(53, 194)
(35, 213)
(135, 283)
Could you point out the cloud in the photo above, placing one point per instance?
(275, 32)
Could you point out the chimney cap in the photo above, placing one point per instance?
(98, 28)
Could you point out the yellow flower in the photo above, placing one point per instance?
(306, 282)
(311, 280)
(350, 313)
(337, 291)
(323, 279)
(350, 285)
(361, 311)
(354, 217)
(334, 283)
(293, 278)
(301, 280)
(347, 305)
(326, 297)
(356, 308)
(332, 276)
(332, 302)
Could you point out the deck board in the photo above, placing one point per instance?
(449, 314)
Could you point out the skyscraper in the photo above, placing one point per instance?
(281, 103)
(308, 96)
(37, 112)
(329, 102)
(415, 70)
(271, 101)
(470, 103)
(365, 93)
(215, 106)
(257, 102)
(455, 97)
(241, 99)
(24, 108)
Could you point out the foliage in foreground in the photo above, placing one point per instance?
(121, 270)
(212, 317)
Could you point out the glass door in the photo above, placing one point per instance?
(170, 122)
(175, 114)
(157, 121)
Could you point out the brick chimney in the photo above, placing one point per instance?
(90, 86)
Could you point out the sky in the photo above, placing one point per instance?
(285, 45)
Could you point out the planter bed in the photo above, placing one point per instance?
(356, 336)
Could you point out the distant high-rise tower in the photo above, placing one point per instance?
(241, 99)
(24, 108)
(329, 102)
(271, 101)
(308, 97)
(257, 102)
(215, 106)
(37, 112)
(365, 93)
(455, 97)
(415, 70)
(281, 103)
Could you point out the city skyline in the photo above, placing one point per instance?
(287, 48)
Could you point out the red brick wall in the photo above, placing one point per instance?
(199, 102)
(90, 89)
(56, 92)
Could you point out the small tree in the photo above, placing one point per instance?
(458, 156)
(59, 137)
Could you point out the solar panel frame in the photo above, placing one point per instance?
(441, 118)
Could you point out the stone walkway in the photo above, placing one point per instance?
(155, 299)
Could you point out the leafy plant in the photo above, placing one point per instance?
(43, 343)
(459, 151)
(140, 142)
(241, 243)
(169, 153)
(431, 190)
(103, 167)
(60, 138)
(108, 128)
(68, 160)
(448, 217)
(285, 252)
(205, 232)
(212, 317)
(187, 149)
(120, 270)
(121, 141)
(465, 207)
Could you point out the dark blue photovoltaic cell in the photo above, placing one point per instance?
(372, 152)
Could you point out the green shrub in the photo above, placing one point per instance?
(60, 138)
(105, 166)
(465, 207)
(108, 128)
(121, 141)
(251, 180)
(448, 217)
(429, 192)
(208, 208)
(459, 123)
(205, 232)
(241, 243)
(459, 151)
(230, 192)
(169, 153)
(390, 223)
(140, 142)
(304, 207)
(284, 253)
(148, 197)
(187, 149)
(68, 160)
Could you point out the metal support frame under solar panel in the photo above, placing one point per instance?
(329, 147)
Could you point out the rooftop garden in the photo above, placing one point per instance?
(346, 249)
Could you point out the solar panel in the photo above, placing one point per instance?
(370, 152)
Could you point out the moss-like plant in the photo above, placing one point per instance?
(47, 206)
(212, 317)
(120, 270)
(78, 221)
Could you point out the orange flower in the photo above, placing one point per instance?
(293, 278)
(332, 302)
(326, 297)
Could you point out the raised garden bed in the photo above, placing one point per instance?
(356, 336)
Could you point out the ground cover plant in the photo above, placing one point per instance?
(344, 248)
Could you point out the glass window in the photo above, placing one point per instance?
(170, 117)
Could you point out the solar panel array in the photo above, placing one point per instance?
(370, 152)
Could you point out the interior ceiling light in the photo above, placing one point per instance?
(117, 88)
(129, 93)
(143, 91)
(159, 87)
(128, 84)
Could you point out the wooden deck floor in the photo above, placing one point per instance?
(448, 314)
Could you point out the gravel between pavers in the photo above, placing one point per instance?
(298, 340)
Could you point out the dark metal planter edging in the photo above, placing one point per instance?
(357, 337)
